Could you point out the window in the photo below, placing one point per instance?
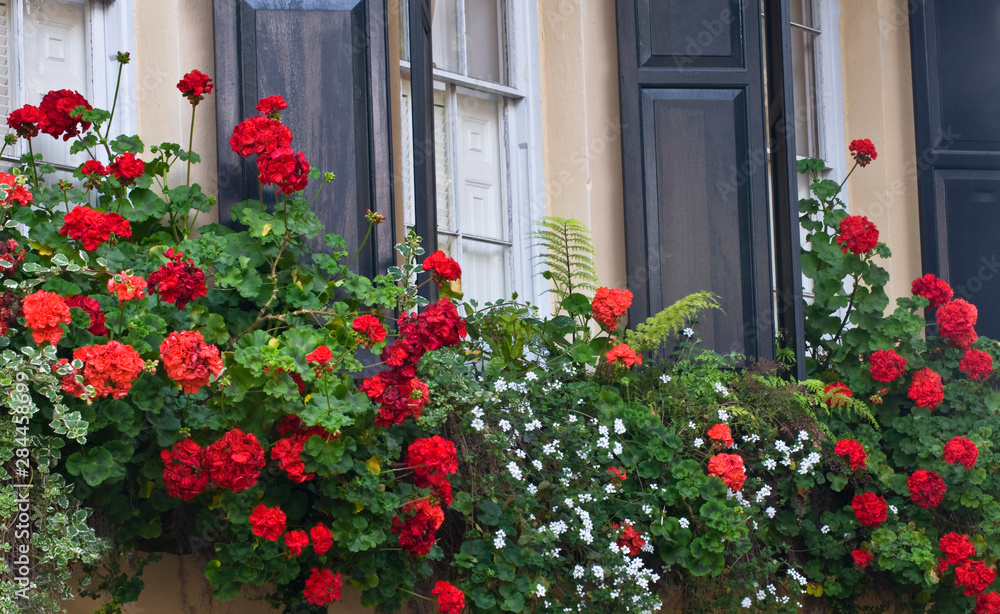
(484, 142)
(63, 44)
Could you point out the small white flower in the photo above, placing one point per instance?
(505, 425)
(532, 489)
(572, 418)
(478, 424)
(537, 464)
(698, 442)
(803, 436)
(893, 508)
(770, 464)
(515, 471)
(683, 522)
(665, 378)
(770, 512)
(723, 414)
(521, 453)
(531, 376)
(691, 425)
(721, 389)
(746, 603)
(689, 332)
(825, 529)
(619, 426)
(540, 590)
(579, 572)
(499, 539)
(761, 595)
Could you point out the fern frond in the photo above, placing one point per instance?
(569, 256)
(649, 335)
(848, 409)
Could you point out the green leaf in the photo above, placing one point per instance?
(577, 304)
(95, 466)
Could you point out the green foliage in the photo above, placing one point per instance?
(651, 334)
(569, 256)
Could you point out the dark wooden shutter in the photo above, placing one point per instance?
(329, 61)
(695, 164)
(956, 92)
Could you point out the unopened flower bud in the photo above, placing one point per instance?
(123, 57)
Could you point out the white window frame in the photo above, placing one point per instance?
(110, 28)
(522, 169)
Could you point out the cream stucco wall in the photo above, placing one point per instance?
(581, 126)
(878, 105)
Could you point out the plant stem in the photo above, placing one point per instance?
(114, 101)
(349, 262)
(194, 108)
(34, 171)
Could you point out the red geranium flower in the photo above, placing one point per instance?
(956, 320)
(926, 488)
(94, 172)
(886, 365)
(863, 151)
(869, 508)
(609, 304)
(320, 355)
(631, 539)
(56, 111)
(623, 353)
(296, 541)
(322, 539)
(976, 364)
(92, 228)
(451, 600)
(235, 460)
(369, 329)
(720, 432)
(837, 394)
(13, 255)
(974, 577)
(183, 472)
(322, 587)
(267, 522)
(288, 452)
(10, 311)
(130, 287)
(854, 452)
(14, 192)
(961, 451)
(956, 547)
(44, 312)
(127, 168)
(195, 86)
(861, 557)
(416, 533)
(110, 368)
(926, 389)
(729, 467)
(284, 168)
(445, 268)
(987, 603)
(271, 106)
(259, 134)
(933, 289)
(189, 360)
(25, 121)
(179, 281)
(857, 234)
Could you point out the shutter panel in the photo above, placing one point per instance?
(695, 164)
(5, 63)
(329, 61)
(422, 113)
(956, 90)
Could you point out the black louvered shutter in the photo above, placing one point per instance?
(696, 164)
(329, 61)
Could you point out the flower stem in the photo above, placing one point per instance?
(360, 245)
(34, 171)
(194, 108)
(114, 101)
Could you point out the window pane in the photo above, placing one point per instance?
(804, 88)
(444, 33)
(802, 13)
(442, 164)
(484, 270)
(480, 168)
(483, 36)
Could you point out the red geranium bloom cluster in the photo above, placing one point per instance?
(15, 192)
(853, 451)
(295, 541)
(631, 539)
(90, 307)
(451, 600)
(267, 522)
(94, 172)
(322, 539)
(56, 111)
(976, 364)
(130, 287)
(25, 121)
(235, 460)
(857, 234)
(322, 587)
(369, 329)
(433, 459)
(92, 227)
(44, 312)
(195, 86)
(272, 106)
(956, 549)
(863, 151)
(961, 451)
(397, 391)
(861, 557)
(720, 432)
(729, 467)
(886, 365)
(416, 533)
(445, 268)
(974, 577)
(926, 389)
(127, 168)
(11, 253)
(837, 394)
(618, 472)
(926, 488)
(288, 450)
(609, 304)
(987, 603)
(183, 472)
(956, 320)
(110, 369)
(869, 508)
(10, 311)
(935, 290)
(179, 281)
(259, 134)
(320, 356)
(624, 354)
(284, 168)
(189, 360)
